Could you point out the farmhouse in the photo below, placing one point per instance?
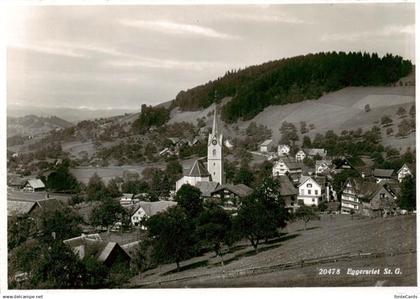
(207, 188)
(341, 165)
(383, 174)
(266, 146)
(403, 172)
(288, 193)
(231, 194)
(146, 209)
(288, 166)
(109, 254)
(355, 191)
(34, 185)
(283, 150)
(310, 191)
(384, 200)
(19, 208)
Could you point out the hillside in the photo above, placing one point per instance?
(292, 80)
(31, 125)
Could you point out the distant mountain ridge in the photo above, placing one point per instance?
(31, 125)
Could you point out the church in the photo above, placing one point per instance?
(213, 173)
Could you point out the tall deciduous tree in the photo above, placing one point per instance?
(189, 198)
(407, 198)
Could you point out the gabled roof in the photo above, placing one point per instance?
(207, 188)
(383, 173)
(304, 179)
(240, 190)
(286, 186)
(152, 208)
(291, 163)
(319, 163)
(364, 188)
(410, 167)
(267, 142)
(15, 207)
(80, 240)
(127, 195)
(50, 204)
(36, 183)
(198, 170)
(315, 151)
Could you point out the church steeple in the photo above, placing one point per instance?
(215, 151)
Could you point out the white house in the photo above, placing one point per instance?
(300, 155)
(283, 150)
(266, 146)
(287, 166)
(403, 172)
(127, 199)
(34, 185)
(310, 191)
(146, 209)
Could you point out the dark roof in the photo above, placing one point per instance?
(152, 208)
(364, 188)
(240, 190)
(94, 246)
(50, 204)
(315, 151)
(198, 170)
(17, 207)
(286, 186)
(383, 173)
(207, 188)
(292, 163)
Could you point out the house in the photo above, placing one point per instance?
(127, 199)
(266, 146)
(19, 208)
(283, 150)
(207, 188)
(356, 191)
(288, 166)
(310, 191)
(197, 173)
(228, 143)
(384, 200)
(109, 254)
(33, 185)
(342, 164)
(383, 174)
(403, 172)
(314, 152)
(288, 193)
(300, 155)
(323, 167)
(231, 194)
(146, 209)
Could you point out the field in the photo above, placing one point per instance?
(337, 111)
(296, 257)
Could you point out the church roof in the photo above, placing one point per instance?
(198, 170)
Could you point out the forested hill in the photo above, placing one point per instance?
(292, 80)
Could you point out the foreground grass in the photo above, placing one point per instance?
(328, 237)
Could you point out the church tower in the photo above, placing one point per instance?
(215, 152)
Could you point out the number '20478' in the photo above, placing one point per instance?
(329, 271)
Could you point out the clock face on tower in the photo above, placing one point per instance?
(214, 142)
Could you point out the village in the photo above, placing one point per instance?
(113, 232)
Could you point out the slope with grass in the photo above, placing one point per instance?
(390, 241)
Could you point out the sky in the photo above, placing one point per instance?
(107, 57)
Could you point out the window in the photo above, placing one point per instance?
(309, 192)
(382, 195)
(313, 199)
(214, 163)
(214, 152)
(316, 192)
(309, 185)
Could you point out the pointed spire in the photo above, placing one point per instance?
(215, 129)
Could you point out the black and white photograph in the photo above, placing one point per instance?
(206, 145)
